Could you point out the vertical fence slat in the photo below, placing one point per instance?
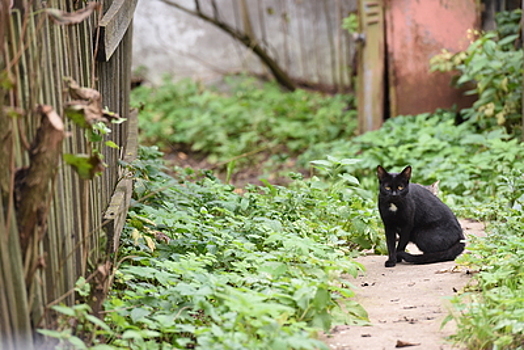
(41, 54)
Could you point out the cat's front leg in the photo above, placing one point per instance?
(391, 238)
(404, 236)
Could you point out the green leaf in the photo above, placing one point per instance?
(138, 314)
(322, 320)
(87, 167)
(98, 322)
(77, 343)
(351, 179)
(112, 144)
(82, 287)
(325, 163)
(66, 310)
(132, 334)
(508, 40)
(274, 268)
(322, 298)
(77, 114)
(118, 120)
(54, 334)
(349, 161)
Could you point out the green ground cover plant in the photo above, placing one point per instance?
(481, 175)
(466, 161)
(248, 118)
(490, 315)
(209, 268)
(207, 265)
(480, 171)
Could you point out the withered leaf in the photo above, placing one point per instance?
(84, 114)
(162, 237)
(81, 93)
(86, 109)
(68, 18)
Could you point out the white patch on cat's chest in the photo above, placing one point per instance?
(392, 207)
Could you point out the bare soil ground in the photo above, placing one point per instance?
(406, 304)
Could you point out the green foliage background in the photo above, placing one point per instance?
(250, 116)
(215, 269)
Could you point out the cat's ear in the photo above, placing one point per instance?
(434, 187)
(381, 173)
(406, 173)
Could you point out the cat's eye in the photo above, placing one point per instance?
(400, 188)
(387, 188)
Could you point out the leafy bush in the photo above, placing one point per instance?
(466, 161)
(249, 118)
(209, 268)
(493, 64)
(491, 316)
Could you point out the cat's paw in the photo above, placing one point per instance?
(390, 263)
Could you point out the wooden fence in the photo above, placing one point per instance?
(305, 38)
(58, 222)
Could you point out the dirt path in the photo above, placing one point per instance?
(406, 304)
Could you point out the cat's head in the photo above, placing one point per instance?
(394, 186)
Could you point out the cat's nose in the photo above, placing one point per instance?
(395, 195)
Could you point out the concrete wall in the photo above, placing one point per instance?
(304, 35)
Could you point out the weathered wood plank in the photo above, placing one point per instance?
(113, 27)
(116, 212)
(371, 65)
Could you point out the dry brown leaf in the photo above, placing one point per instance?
(454, 269)
(86, 109)
(68, 18)
(85, 114)
(81, 93)
(104, 269)
(162, 237)
(239, 190)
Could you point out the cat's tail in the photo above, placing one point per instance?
(428, 258)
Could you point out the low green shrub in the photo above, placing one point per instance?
(208, 268)
(491, 314)
(248, 118)
(466, 161)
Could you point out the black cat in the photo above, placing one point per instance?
(417, 216)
